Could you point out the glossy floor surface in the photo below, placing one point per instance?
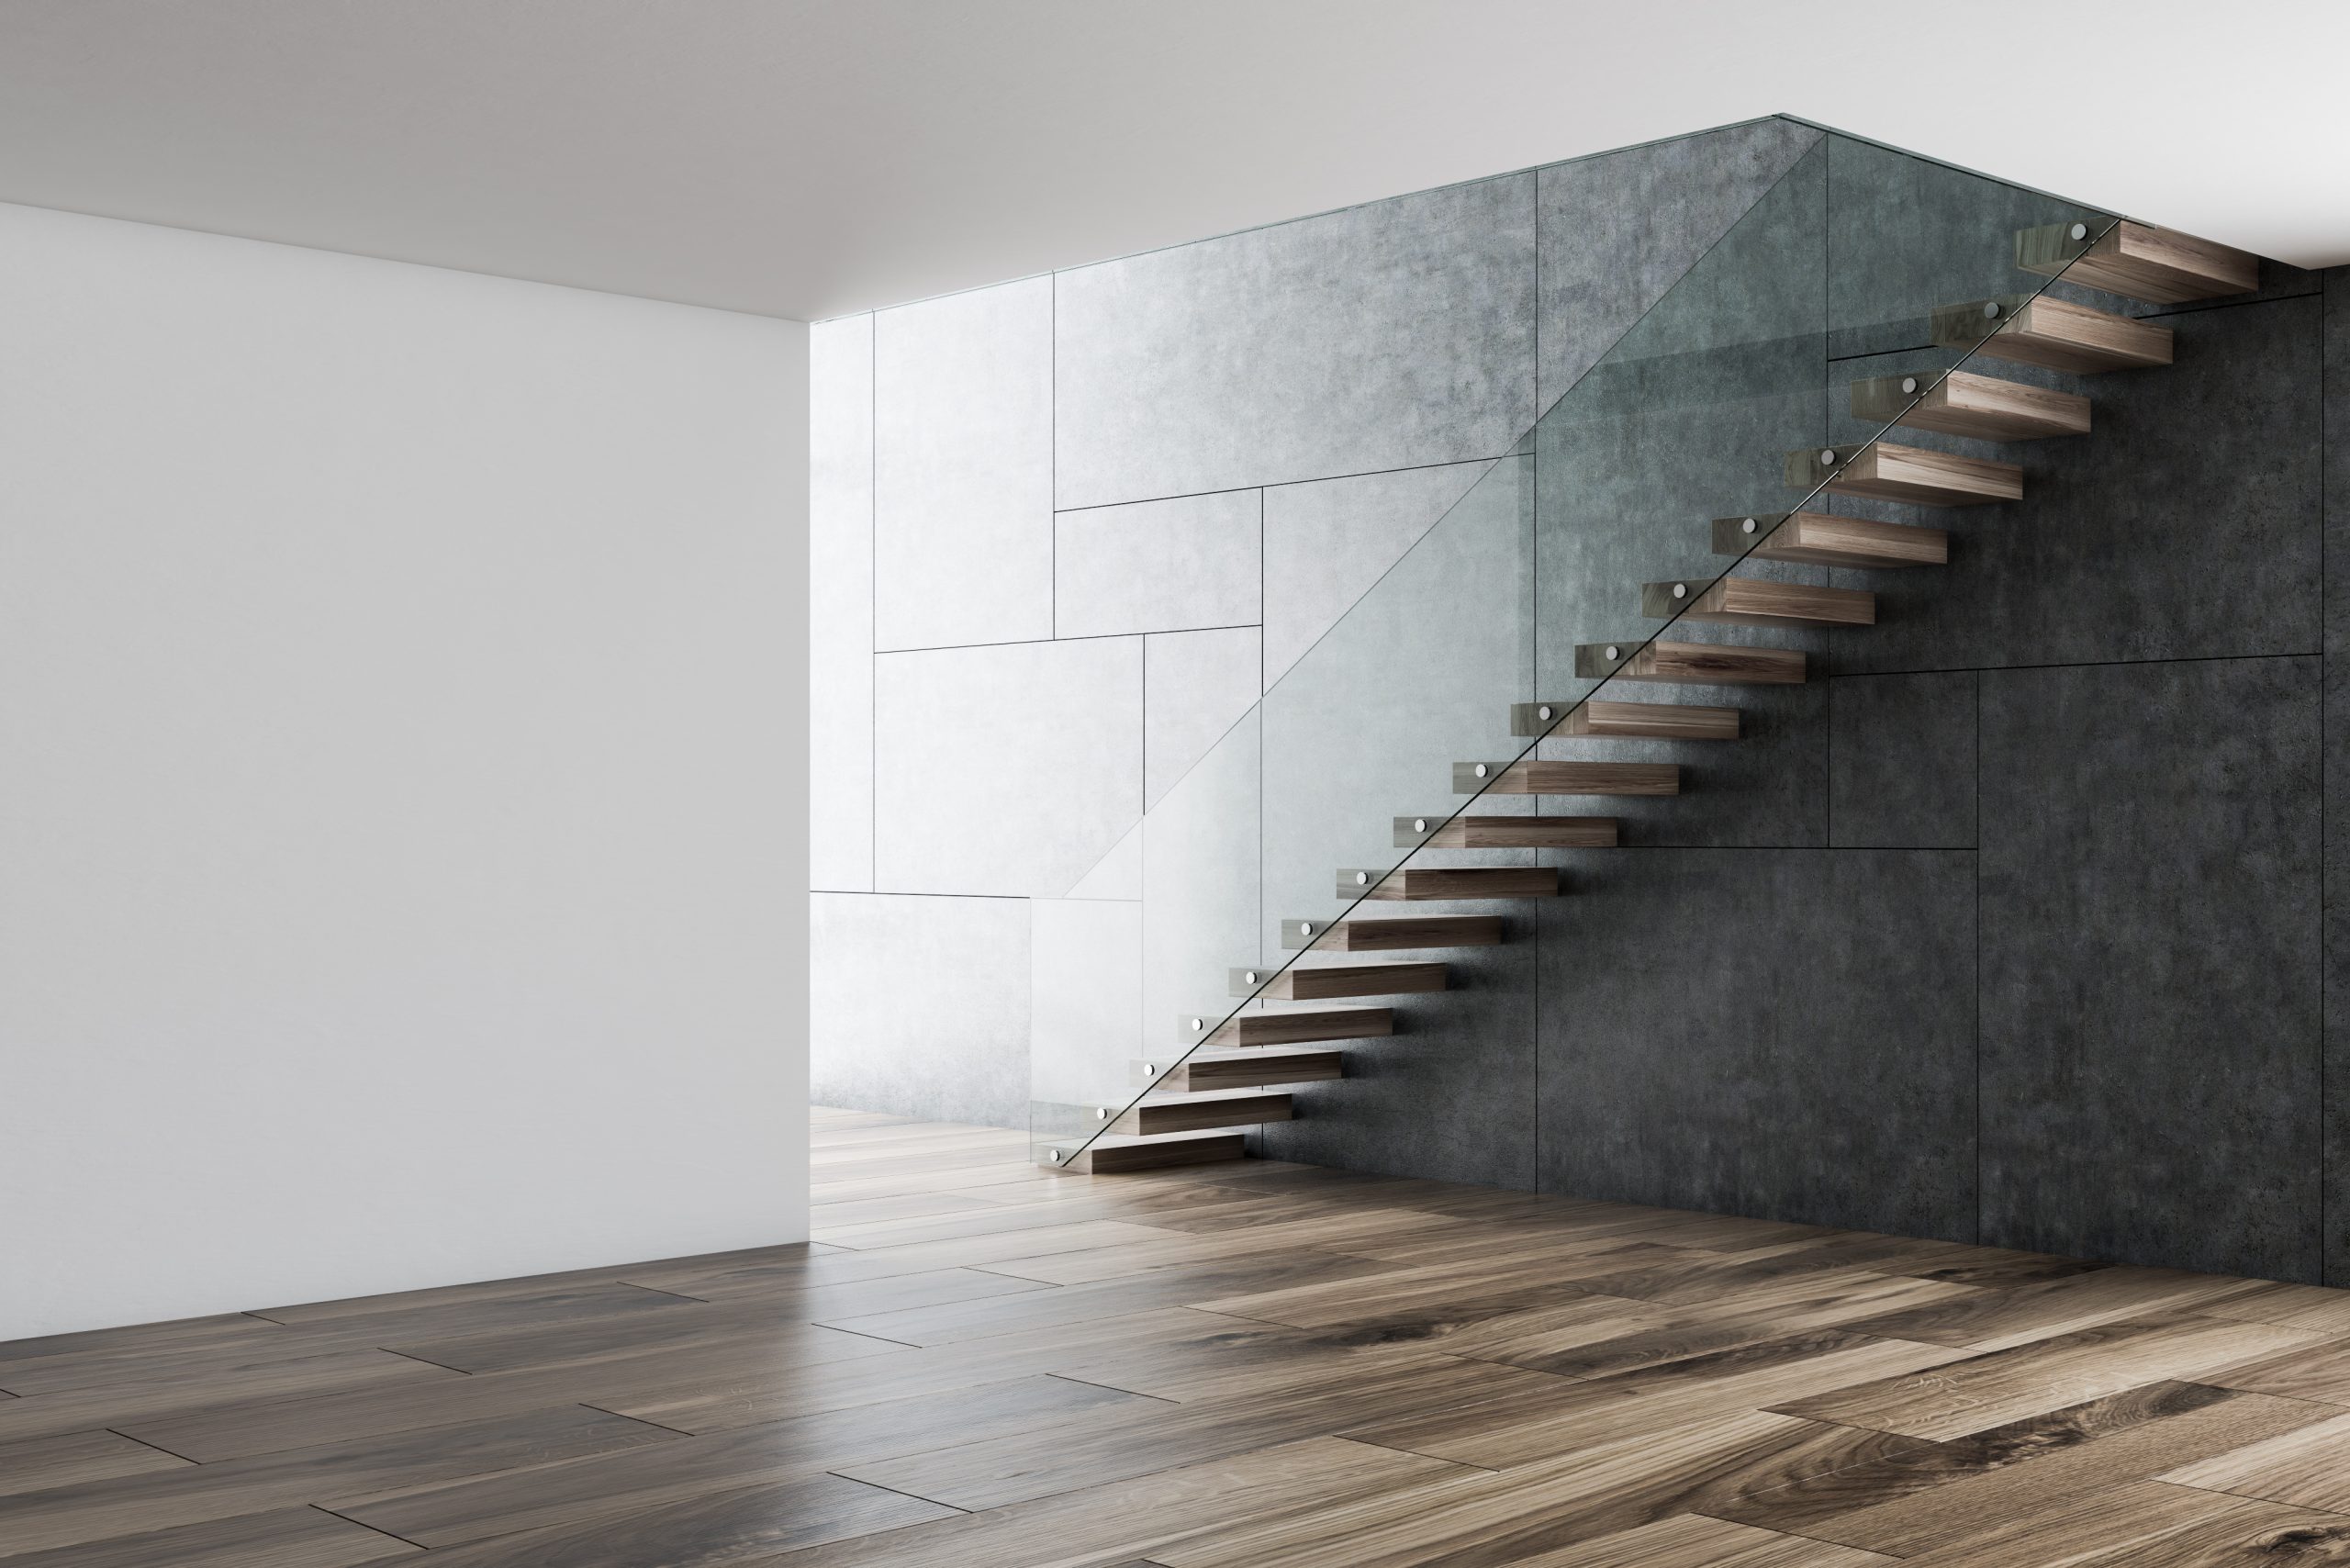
(979, 1364)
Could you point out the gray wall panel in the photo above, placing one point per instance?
(962, 469)
(919, 1006)
(1172, 565)
(2337, 397)
(1379, 337)
(1901, 759)
(1006, 770)
(2150, 987)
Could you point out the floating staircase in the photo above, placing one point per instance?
(1226, 1073)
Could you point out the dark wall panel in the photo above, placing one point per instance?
(2151, 973)
(1788, 1033)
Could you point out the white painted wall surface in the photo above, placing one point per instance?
(402, 775)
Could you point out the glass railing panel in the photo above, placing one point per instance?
(1731, 397)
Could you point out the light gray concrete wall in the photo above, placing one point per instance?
(1069, 527)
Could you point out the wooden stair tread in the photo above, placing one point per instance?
(1210, 1071)
(1326, 982)
(1882, 470)
(1690, 664)
(1531, 775)
(1111, 1153)
(1397, 933)
(1265, 1026)
(1505, 832)
(1823, 539)
(1757, 602)
(1199, 1113)
(1416, 882)
(1986, 407)
(2160, 266)
(1645, 721)
(2054, 333)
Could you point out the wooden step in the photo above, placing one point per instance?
(1626, 720)
(2160, 266)
(1413, 931)
(1884, 472)
(1823, 539)
(1256, 1026)
(1336, 981)
(1110, 1155)
(2053, 334)
(1505, 832)
(1755, 601)
(1965, 403)
(1207, 1072)
(1690, 664)
(1417, 882)
(1527, 776)
(1198, 1113)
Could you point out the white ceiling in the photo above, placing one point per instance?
(806, 158)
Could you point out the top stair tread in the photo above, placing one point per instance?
(2160, 266)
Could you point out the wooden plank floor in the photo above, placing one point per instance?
(980, 1364)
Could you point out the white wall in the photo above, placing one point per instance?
(402, 775)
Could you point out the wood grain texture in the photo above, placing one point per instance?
(1690, 664)
(1507, 833)
(1625, 721)
(2055, 334)
(1883, 471)
(37, 1464)
(1824, 538)
(1414, 883)
(1209, 1070)
(1757, 602)
(1968, 403)
(1199, 1113)
(1531, 775)
(1331, 982)
(2160, 266)
(1292, 1026)
(1237, 1363)
(1408, 932)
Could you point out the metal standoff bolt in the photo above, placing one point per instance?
(1056, 1157)
(1101, 1113)
(1199, 1023)
(1480, 770)
(1305, 928)
(1990, 309)
(1419, 825)
(1150, 1067)
(1827, 454)
(1909, 383)
(1681, 590)
(1611, 650)
(2079, 231)
(1749, 526)
(1543, 712)
(1361, 876)
(1250, 977)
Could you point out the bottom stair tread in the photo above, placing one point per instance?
(1112, 1152)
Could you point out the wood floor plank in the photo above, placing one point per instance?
(1533, 1510)
(1504, 1432)
(2001, 1387)
(2310, 1468)
(2320, 1372)
(285, 1537)
(2150, 1524)
(1693, 1540)
(1921, 1497)
(36, 1464)
(1117, 1444)
(1147, 1515)
(1248, 1363)
(583, 1490)
(94, 1510)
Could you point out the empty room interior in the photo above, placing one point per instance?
(1074, 784)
